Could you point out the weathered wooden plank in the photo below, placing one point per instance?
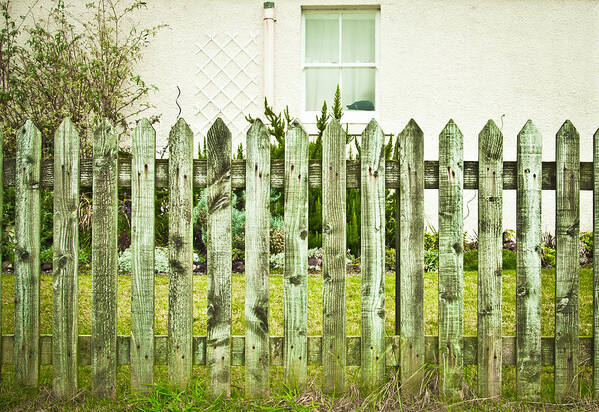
(528, 270)
(353, 344)
(295, 280)
(451, 181)
(142, 247)
(257, 252)
(596, 266)
(219, 258)
(104, 261)
(490, 245)
(333, 259)
(567, 266)
(27, 254)
(180, 245)
(431, 174)
(66, 258)
(373, 256)
(409, 262)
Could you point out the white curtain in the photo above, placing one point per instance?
(357, 46)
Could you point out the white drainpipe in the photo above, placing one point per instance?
(269, 51)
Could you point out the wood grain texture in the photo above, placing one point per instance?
(490, 245)
(528, 266)
(218, 200)
(295, 280)
(567, 266)
(409, 262)
(595, 267)
(66, 259)
(104, 261)
(142, 248)
(451, 182)
(27, 255)
(373, 256)
(277, 175)
(333, 257)
(276, 344)
(257, 266)
(180, 245)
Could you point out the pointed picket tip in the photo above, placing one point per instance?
(29, 127)
(491, 129)
(67, 126)
(181, 127)
(66, 123)
(452, 128)
(297, 125)
(567, 131)
(334, 124)
(490, 141)
(596, 135)
(257, 126)
(528, 128)
(258, 132)
(372, 125)
(144, 123)
(411, 128)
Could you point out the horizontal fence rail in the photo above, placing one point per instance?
(405, 353)
(277, 176)
(314, 350)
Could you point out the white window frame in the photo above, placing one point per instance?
(349, 116)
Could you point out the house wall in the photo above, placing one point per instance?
(505, 60)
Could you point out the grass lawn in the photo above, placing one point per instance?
(17, 397)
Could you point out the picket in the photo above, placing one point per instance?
(451, 182)
(409, 262)
(27, 255)
(528, 265)
(567, 266)
(490, 245)
(373, 256)
(66, 259)
(295, 279)
(142, 262)
(333, 257)
(180, 245)
(218, 200)
(104, 260)
(257, 270)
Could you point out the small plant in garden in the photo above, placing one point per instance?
(160, 260)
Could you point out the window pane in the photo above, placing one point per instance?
(358, 88)
(322, 38)
(320, 86)
(358, 38)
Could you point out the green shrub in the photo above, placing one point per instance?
(471, 260)
(431, 260)
(200, 220)
(390, 259)
(160, 260)
(548, 257)
(431, 240)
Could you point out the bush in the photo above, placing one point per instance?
(160, 260)
(390, 259)
(431, 260)
(471, 260)
(200, 220)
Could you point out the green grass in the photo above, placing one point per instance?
(163, 398)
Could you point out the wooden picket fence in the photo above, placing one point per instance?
(408, 351)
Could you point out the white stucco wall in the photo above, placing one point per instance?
(506, 60)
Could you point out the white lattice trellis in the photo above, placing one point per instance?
(227, 71)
